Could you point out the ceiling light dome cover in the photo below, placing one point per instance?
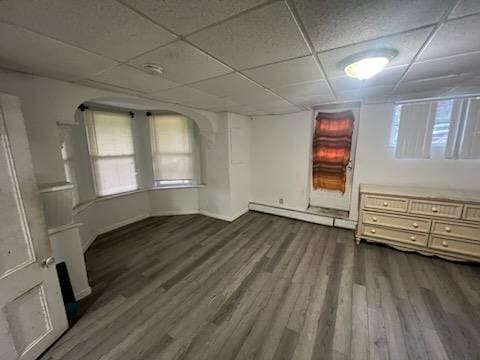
(368, 63)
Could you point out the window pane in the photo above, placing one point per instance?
(442, 123)
(395, 125)
(173, 148)
(114, 175)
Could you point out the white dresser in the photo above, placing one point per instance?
(431, 221)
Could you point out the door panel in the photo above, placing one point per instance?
(32, 314)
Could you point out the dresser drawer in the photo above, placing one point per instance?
(471, 213)
(436, 208)
(454, 246)
(464, 231)
(399, 222)
(386, 203)
(395, 235)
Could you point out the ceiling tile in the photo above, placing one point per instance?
(259, 37)
(435, 84)
(191, 97)
(25, 51)
(374, 92)
(286, 72)
(133, 79)
(186, 16)
(388, 77)
(453, 65)
(465, 7)
(313, 100)
(281, 110)
(334, 23)
(183, 63)
(407, 45)
(454, 37)
(103, 86)
(241, 91)
(105, 27)
(238, 109)
(304, 90)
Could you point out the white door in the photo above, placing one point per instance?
(335, 199)
(32, 314)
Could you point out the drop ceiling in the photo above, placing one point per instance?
(246, 56)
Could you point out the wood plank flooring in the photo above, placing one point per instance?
(266, 287)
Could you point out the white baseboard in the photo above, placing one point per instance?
(240, 213)
(223, 217)
(216, 216)
(294, 214)
(345, 224)
(83, 293)
(173, 212)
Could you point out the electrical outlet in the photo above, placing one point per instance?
(280, 201)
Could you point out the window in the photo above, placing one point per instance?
(441, 125)
(66, 143)
(110, 144)
(173, 150)
(451, 125)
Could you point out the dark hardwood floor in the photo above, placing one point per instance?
(266, 287)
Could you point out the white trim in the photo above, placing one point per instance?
(63, 228)
(293, 214)
(223, 217)
(240, 213)
(216, 216)
(45, 188)
(83, 293)
(345, 224)
(173, 212)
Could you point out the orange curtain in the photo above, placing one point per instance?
(332, 142)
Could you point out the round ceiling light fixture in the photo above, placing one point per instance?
(153, 69)
(368, 63)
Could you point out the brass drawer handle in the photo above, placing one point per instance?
(448, 229)
(444, 244)
(373, 231)
(374, 218)
(434, 209)
(385, 203)
(413, 238)
(415, 225)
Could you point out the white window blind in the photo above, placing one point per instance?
(415, 130)
(452, 125)
(110, 143)
(173, 149)
(469, 147)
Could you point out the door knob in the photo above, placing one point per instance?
(48, 261)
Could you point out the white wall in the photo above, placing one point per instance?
(281, 149)
(240, 163)
(214, 199)
(173, 201)
(280, 155)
